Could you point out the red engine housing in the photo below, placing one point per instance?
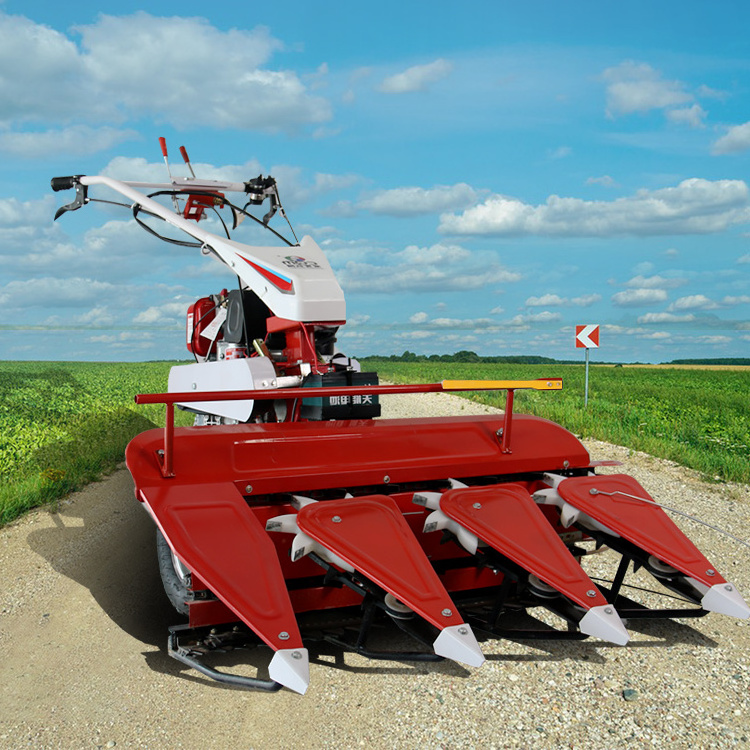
(199, 316)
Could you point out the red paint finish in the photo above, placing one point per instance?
(638, 521)
(372, 536)
(307, 456)
(212, 531)
(229, 480)
(512, 523)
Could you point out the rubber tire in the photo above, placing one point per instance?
(174, 587)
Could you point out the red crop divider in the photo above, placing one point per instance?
(294, 394)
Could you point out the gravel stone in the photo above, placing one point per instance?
(83, 626)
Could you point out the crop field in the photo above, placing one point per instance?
(64, 424)
(696, 417)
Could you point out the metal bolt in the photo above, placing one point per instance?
(499, 433)
(248, 488)
(593, 491)
(386, 479)
(463, 631)
(477, 505)
(591, 593)
(447, 612)
(566, 463)
(728, 588)
(296, 655)
(710, 572)
(549, 384)
(336, 519)
(283, 636)
(264, 384)
(608, 610)
(194, 386)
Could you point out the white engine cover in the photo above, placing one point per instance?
(297, 283)
(252, 373)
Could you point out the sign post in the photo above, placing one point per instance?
(587, 337)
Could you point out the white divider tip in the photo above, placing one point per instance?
(291, 668)
(457, 642)
(726, 600)
(604, 622)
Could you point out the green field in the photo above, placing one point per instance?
(64, 424)
(697, 417)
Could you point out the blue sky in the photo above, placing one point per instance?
(482, 175)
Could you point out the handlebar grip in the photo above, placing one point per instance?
(64, 183)
(185, 158)
(163, 144)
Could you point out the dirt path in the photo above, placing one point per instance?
(83, 622)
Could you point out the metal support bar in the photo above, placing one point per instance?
(507, 421)
(167, 469)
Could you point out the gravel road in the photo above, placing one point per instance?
(83, 627)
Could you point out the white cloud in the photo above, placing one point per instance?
(605, 181)
(742, 299)
(654, 282)
(637, 87)
(416, 269)
(665, 318)
(744, 258)
(481, 325)
(415, 335)
(735, 140)
(639, 297)
(413, 201)
(561, 152)
(15, 214)
(694, 206)
(143, 65)
(714, 340)
(554, 300)
(702, 302)
(693, 302)
(417, 78)
(55, 292)
(76, 140)
(169, 312)
(692, 116)
(462, 323)
(542, 317)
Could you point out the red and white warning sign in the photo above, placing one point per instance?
(587, 337)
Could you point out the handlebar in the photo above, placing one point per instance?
(65, 183)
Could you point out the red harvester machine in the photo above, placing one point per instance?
(290, 508)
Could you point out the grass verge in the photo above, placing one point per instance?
(64, 425)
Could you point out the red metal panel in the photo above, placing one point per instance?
(510, 521)
(613, 501)
(213, 532)
(372, 536)
(306, 456)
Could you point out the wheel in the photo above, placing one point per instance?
(174, 575)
